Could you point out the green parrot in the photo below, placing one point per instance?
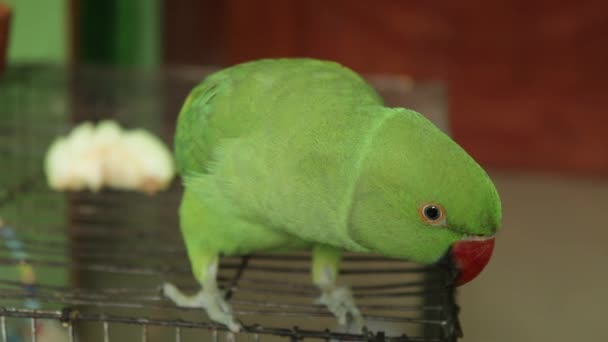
(295, 154)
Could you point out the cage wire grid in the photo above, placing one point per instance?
(99, 259)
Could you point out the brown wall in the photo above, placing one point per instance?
(526, 78)
(193, 32)
(4, 25)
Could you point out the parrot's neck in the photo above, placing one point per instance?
(364, 169)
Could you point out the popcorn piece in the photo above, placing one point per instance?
(91, 157)
(151, 168)
(73, 162)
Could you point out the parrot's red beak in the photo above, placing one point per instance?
(470, 257)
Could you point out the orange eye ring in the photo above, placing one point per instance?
(432, 213)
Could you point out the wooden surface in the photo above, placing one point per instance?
(4, 25)
(526, 78)
(194, 32)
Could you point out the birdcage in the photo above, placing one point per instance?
(88, 266)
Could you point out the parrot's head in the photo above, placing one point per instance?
(421, 197)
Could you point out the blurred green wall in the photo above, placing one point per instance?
(111, 32)
(38, 31)
(118, 32)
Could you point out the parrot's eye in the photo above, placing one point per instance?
(432, 213)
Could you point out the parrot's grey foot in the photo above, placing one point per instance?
(340, 302)
(210, 299)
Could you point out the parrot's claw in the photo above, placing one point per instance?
(210, 299)
(340, 302)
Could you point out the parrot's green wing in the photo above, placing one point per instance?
(244, 99)
(269, 130)
(192, 148)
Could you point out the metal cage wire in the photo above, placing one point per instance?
(100, 258)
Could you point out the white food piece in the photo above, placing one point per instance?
(73, 162)
(150, 168)
(92, 157)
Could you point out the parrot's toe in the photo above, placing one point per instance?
(222, 302)
(224, 318)
(210, 299)
(218, 309)
(176, 296)
(340, 302)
